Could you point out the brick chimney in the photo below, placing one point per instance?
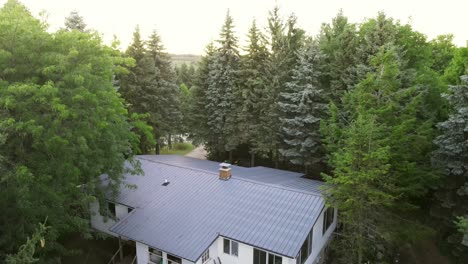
(224, 171)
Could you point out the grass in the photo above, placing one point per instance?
(178, 149)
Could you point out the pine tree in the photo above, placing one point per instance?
(302, 105)
(223, 93)
(254, 84)
(451, 157)
(75, 22)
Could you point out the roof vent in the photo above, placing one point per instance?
(166, 182)
(224, 171)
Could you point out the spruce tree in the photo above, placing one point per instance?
(451, 157)
(286, 39)
(303, 104)
(137, 88)
(223, 92)
(200, 132)
(163, 81)
(254, 84)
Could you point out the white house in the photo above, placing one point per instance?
(186, 210)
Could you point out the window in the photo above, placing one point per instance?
(328, 217)
(155, 256)
(206, 256)
(111, 207)
(306, 248)
(173, 259)
(274, 259)
(231, 247)
(261, 257)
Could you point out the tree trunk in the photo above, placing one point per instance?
(252, 159)
(169, 141)
(276, 158)
(230, 156)
(158, 147)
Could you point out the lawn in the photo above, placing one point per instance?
(178, 149)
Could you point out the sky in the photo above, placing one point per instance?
(187, 26)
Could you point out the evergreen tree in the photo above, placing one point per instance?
(137, 88)
(164, 84)
(254, 84)
(338, 42)
(75, 22)
(286, 39)
(395, 110)
(223, 93)
(303, 104)
(200, 132)
(362, 191)
(451, 157)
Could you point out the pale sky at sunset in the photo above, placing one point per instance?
(186, 26)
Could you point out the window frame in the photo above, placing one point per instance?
(229, 245)
(267, 255)
(206, 256)
(328, 218)
(156, 252)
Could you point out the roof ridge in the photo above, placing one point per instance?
(237, 178)
(179, 166)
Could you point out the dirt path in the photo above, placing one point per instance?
(198, 153)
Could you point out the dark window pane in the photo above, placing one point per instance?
(259, 256)
(304, 251)
(278, 260)
(111, 207)
(234, 248)
(311, 239)
(271, 259)
(262, 257)
(174, 259)
(227, 246)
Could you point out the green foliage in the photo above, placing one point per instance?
(223, 92)
(362, 189)
(303, 104)
(26, 252)
(442, 49)
(451, 157)
(150, 88)
(63, 125)
(254, 82)
(457, 67)
(338, 42)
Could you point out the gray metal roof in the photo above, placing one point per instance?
(266, 208)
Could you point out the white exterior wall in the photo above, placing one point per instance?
(142, 252)
(320, 240)
(245, 254)
(98, 221)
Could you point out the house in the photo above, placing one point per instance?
(186, 210)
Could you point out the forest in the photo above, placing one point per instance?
(377, 110)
